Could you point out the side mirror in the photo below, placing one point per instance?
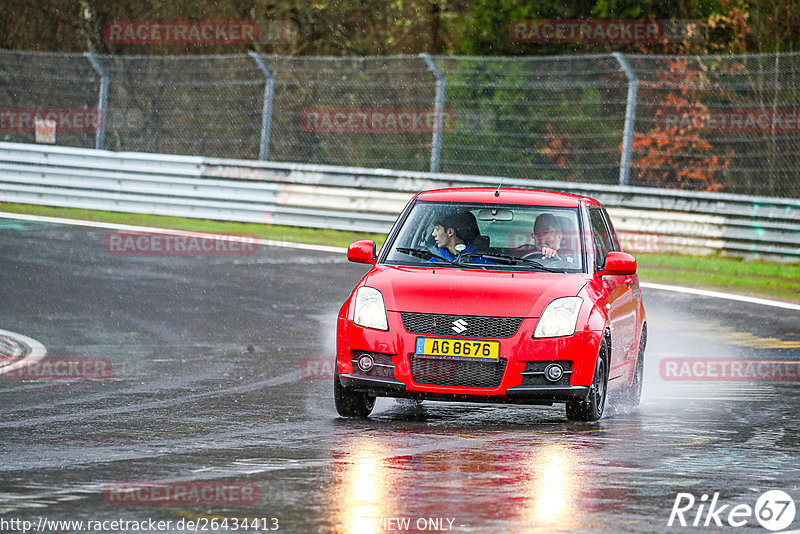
(362, 252)
(619, 263)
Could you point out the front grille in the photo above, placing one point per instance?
(536, 378)
(460, 325)
(383, 365)
(441, 372)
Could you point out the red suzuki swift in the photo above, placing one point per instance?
(494, 295)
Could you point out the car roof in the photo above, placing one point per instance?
(507, 195)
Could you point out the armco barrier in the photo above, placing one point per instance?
(359, 199)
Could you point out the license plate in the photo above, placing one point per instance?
(457, 348)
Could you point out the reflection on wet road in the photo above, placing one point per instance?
(207, 385)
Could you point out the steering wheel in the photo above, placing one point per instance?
(534, 256)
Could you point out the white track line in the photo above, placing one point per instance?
(38, 351)
(721, 295)
(167, 231)
(342, 250)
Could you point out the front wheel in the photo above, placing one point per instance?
(592, 408)
(351, 403)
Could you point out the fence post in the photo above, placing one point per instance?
(630, 118)
(266, 110)
(436, 146)
(102, 101)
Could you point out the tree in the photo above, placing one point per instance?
(675, 154)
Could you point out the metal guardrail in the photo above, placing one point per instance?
(348, 198)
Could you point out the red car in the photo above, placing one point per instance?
(494, 295)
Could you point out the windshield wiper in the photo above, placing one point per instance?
(427, 254)
(513, 260)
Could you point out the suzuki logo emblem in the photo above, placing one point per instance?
(459, 326)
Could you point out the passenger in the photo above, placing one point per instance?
(455, 235)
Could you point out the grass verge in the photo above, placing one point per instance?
(755, 277)
(759, 278)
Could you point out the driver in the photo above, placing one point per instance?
(548, 235)
(548, 240)
(455, 235)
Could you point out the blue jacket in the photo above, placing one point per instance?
(443, 252)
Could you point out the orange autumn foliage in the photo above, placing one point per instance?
(676, 157)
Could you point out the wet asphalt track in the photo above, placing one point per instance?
(206, 385)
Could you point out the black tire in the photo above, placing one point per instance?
(634, 396)
(351, 403)
(592, 408)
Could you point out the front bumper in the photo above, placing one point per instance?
(519, 354)
(382, 387)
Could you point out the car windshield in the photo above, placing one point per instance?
(482, 236)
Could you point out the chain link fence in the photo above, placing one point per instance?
(711, 123)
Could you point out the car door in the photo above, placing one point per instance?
(620, 301)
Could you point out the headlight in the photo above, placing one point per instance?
(559, 318)
(370, 310)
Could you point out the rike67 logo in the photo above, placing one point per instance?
(774, 510)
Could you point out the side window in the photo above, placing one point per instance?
(601, 236)
(611, 234)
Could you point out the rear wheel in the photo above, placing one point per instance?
(592, 408)
(635, 393)
(351, 403)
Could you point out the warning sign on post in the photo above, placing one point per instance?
(45, 131)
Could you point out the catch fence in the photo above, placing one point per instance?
(701, 123)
